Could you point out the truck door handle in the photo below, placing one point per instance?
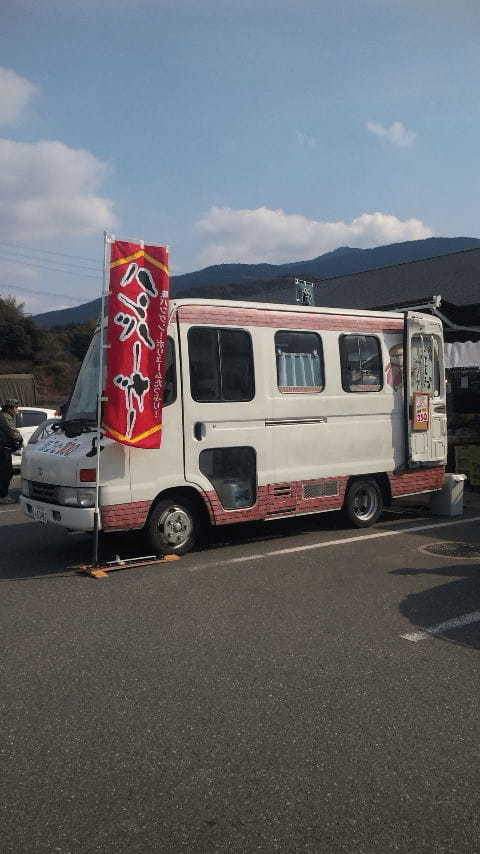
(439, 407)
(199, 430)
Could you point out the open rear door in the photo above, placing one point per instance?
(425, 390)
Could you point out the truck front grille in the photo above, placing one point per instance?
(43, 492)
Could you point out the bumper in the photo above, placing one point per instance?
(73, 518)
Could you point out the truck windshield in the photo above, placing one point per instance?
(83, 402)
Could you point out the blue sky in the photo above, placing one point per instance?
(231, 131)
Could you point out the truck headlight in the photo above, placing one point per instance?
(70, 496)
(86, 497)
(67, 495)
(26, 488)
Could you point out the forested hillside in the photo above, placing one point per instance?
(52, 355)
(267, 282)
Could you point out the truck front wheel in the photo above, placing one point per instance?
(173, 527)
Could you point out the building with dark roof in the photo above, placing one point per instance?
(455, 277)
(447, 286)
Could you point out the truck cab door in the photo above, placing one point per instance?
(425, 390)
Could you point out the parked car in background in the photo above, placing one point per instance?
(29, 420)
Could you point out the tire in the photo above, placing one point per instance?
(173, 527)
(363, 503)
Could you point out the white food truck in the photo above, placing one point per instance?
(269, 411)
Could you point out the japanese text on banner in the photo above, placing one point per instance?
(136, 343)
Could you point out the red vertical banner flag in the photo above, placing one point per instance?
(138, 296)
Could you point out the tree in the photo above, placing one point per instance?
(77, 338)
(53, 355)
(15, 333)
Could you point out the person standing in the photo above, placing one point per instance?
(10, 440)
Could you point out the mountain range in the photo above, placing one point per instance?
(274, 282)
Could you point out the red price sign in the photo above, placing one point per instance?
(421, 412)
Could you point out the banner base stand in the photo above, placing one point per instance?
(101, 570)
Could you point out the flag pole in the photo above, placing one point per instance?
(107, 241)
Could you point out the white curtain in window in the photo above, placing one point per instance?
(298, 369)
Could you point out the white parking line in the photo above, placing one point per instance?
(431, 631)
(341, 542)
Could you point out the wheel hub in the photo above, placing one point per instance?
(365, 504)
(175, 526)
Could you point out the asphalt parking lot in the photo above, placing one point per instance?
(295, 686)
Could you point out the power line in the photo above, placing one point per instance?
(66, 270)
(58, 263)
(42, 293)
(14, 254)
(32, 249)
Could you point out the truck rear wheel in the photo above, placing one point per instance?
(363, 503)
(173, 527)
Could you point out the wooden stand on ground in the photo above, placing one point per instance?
(101, 570)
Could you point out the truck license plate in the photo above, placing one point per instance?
(40, 515)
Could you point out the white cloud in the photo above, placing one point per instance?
(397, 133)
(15, 93)
(264, 235)
(48, 190)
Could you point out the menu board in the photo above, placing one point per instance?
(421, 412)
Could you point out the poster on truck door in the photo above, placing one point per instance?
(136, 343)
(421, 412)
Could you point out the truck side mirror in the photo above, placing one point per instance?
(60, 412)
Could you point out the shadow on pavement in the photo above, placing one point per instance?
(448, 601)
(31, 550)
(294, 526)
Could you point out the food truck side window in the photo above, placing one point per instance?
(170, 389)
(299, 358)
(425, 364)
(361, 361)
(221, 364)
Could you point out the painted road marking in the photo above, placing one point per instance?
(345, 540)
(431, 631)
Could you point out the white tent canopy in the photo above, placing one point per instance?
(462, 354)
